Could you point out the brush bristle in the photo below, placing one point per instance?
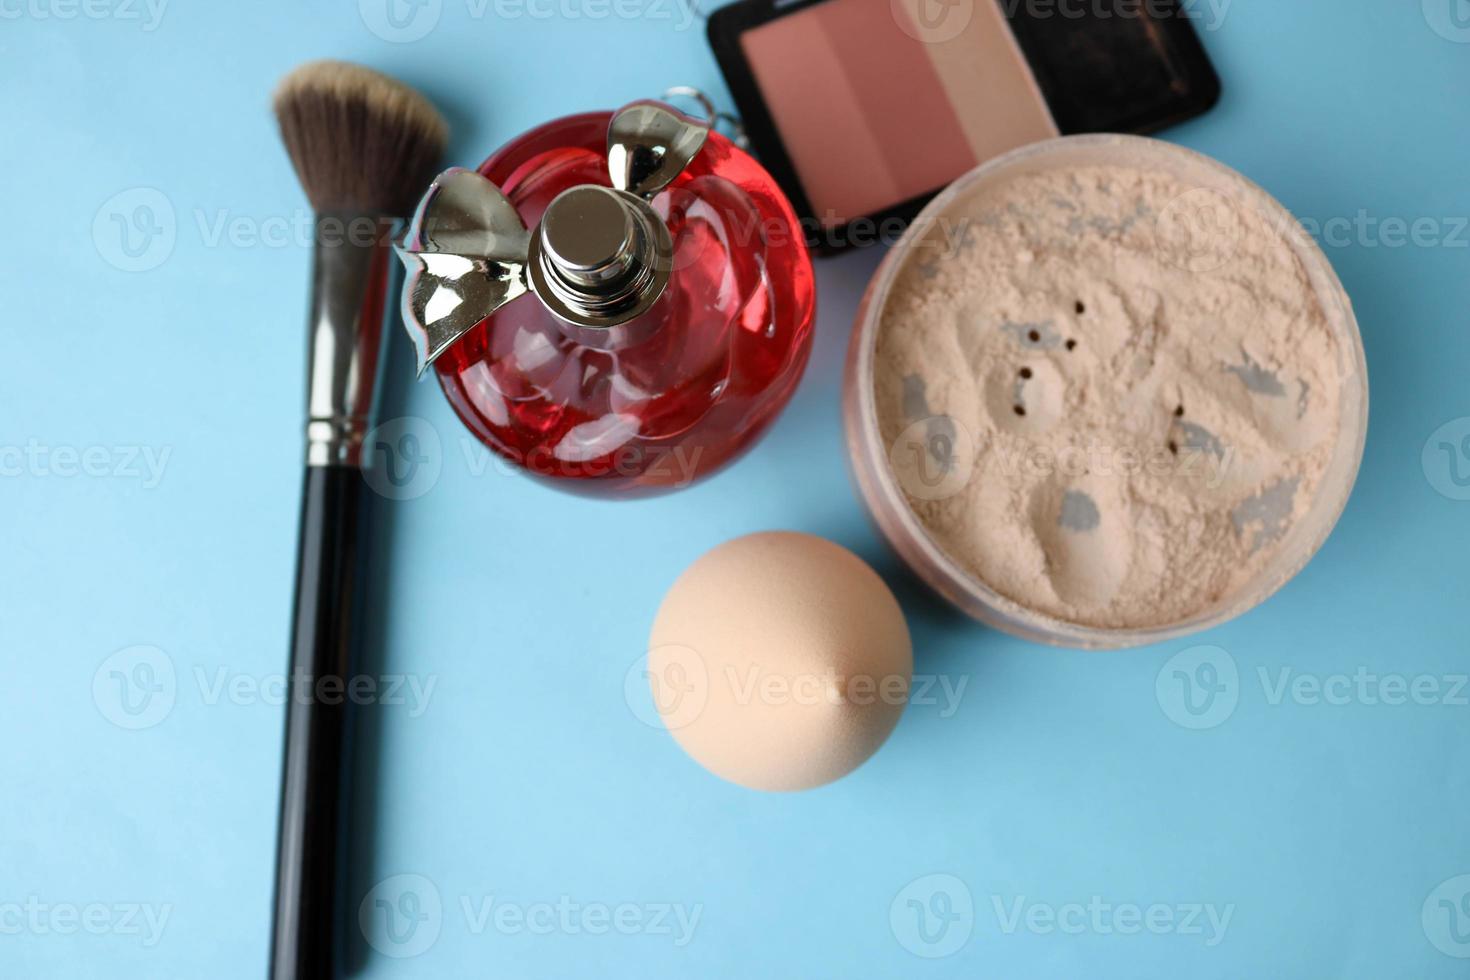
(360, 141)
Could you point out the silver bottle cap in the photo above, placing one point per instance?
(600, 256)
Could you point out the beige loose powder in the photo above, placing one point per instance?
(1113, 397)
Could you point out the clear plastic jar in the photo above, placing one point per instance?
(885, 499)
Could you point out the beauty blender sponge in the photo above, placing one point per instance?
(780, 661)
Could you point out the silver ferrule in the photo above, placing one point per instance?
(353, 275)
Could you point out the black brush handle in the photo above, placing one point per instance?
(305, 942)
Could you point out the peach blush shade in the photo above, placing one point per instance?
(901, 96)
(986, 78)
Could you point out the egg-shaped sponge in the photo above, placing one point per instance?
(780, 661)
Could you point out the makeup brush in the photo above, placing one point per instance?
(364, 147)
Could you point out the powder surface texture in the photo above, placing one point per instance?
(1113, 397)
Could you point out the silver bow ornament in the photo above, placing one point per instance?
(598, 257)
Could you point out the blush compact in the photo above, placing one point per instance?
(865, 109)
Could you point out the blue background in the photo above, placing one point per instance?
(530, 776)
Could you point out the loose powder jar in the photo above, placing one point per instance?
(1106, 392)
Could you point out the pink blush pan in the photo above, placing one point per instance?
(871, 116)
(862, 110)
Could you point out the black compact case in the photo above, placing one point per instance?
(1123, 66)
(1118, 74)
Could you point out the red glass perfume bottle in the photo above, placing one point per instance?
(618, 302)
